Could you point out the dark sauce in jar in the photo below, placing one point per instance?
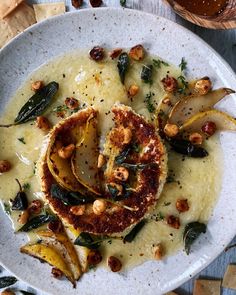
(204, 7)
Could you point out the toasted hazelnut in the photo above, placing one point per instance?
(55, 226)
(5, 166)
(97, 53)
(67, 151)
(37, 85)
(96, 3)
(209, 128)
(35, 207)
(115, 53)
(195, 138)
(182, 205)
(72, 103)
(137, 52)
(7, 292)
(23, 217)
(78, 210)
(99, 206)
(171, 130)
(121, 173)
(127, 135)
(94, 257)
(173, 221)
(101, 160)
(170, 84)
(118, 187)
(43, 123)
(57, 273)
(133, 90)
(77, 3)
(203, 86)
(158, 252)
(120, 136)
(114, 264)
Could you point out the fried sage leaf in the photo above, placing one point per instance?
(146, 73)
(20, 202)
(7, 281)
(123, 64)
(36, 222)
(133, 233)
(191, 232)
(69, 198)
(36, 105)
(26, 292)
(185, 147)
(85, 240)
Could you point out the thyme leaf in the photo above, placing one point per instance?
(148, 101)
(22, 140)
(158, 63)
(183, 64)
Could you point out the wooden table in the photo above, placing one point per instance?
(224, 42)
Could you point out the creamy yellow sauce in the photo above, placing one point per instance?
(98, 84)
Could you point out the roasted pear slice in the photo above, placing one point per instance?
(50, 255)
(190, 105)
(69, 247)
(84, 160)
(223, 122)
(68, 131)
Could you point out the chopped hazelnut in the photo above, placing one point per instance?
(72, 103)
(43, 123)
(182, 205)
(171, 130)
(115, 53)
(137, 52)
(173, 221)
(170, 84)
(209, 128)
(158, 251)
(57, 273)
(101, 160)
(77, 3)
(24, 217)
(120, 136)
(114, 264)
(67, 151)
(127, 135)
(55, 226)
(94, 257)
(121, 173)
(99, 206)
(96, 3)
(37, 85)
(196, 138)
(203, 86)
(78, 210)
(35, 207)
(133, 90)
(5, 166)
(97, 53)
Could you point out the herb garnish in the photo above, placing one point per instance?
(22, 140)
(183, 64)
(185, 147)
(86, 240)
(133, 233)
(7, 281)
(37, 221)
(123, 155)
(122, 65)
(167, 203)
(191, 233)
(122, 3)
(158, 63)
(184, 84)
(148, 101)
(20, 201)
(7, 208)
(26, 186)
(146, 73)
(159, 216)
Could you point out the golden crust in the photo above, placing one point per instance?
(151, 179)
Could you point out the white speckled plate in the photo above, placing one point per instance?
(122, 28)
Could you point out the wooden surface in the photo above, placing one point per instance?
(224, 42)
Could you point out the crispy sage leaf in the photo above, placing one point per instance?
(185, 147)
(36, 222)
(123, 64)
(20, 202)
(146, 74)
(123, 155)
(133, 233)
(85, 240)
(36, 105)
(191, 233)
(69, 198)
(7, 281)
(26, 292)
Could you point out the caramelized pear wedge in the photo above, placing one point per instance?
(49, 255)
(223, 122)
(70, 249)
(85, 158)
(193, 104)
(68, 131)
